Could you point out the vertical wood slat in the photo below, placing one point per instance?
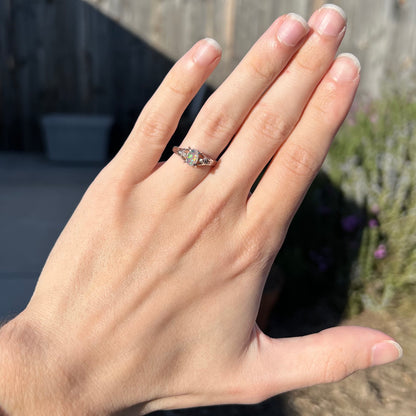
(109, 55)
(381, 36)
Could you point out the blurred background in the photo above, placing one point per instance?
(74, 75)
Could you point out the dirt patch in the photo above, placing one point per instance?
(387, 390)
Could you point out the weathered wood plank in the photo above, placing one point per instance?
(108, 56)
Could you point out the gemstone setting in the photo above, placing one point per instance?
(192, 158)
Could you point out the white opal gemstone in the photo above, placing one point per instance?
(192, 157)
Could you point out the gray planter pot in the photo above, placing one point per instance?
(76, 137)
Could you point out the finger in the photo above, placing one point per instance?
(284, 184)
(273, 366)
(278, 111)
(159, 118)
(226, 109)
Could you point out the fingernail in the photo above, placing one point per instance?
(345, 68)
(329, 20)
(207, 52)
(385, 352)
(292, 30)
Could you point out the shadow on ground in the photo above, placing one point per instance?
(316, 261)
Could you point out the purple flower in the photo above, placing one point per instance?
(350, 223)
(373, 223)
(380, 252)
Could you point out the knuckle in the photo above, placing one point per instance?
(253, 249)
(263, 69)
(98, 192)
(217, 123)
(250, 252)
(153, 126)
(272, 125)
(300, 161)
(310, 61)
(180, 85)
(334, 370)
(324, 104)
(210, 214)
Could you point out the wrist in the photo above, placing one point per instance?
(29, 382)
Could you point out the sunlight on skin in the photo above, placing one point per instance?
(149, 297)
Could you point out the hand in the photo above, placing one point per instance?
(149, 298)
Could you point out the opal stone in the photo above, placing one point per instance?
(192, 157)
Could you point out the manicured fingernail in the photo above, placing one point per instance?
(345, 68)
(207, 52)
(292, 30)
(329, 20)
(385, 352)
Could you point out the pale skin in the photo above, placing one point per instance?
(149, 298)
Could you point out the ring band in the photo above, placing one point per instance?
(194, 157)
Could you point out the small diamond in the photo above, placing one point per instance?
(192, 157)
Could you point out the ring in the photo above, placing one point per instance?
(194, 157)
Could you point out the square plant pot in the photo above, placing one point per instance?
(77, 137)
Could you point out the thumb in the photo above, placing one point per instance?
(277, 365)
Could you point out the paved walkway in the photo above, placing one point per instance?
(36, 199)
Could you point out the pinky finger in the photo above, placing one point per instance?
(160, 117)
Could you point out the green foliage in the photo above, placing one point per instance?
(373, 163)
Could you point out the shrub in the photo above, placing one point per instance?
(373, 163)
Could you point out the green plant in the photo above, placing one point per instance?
(373, 163)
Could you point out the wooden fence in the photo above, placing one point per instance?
(108, 56)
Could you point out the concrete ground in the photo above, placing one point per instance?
(37, 198)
